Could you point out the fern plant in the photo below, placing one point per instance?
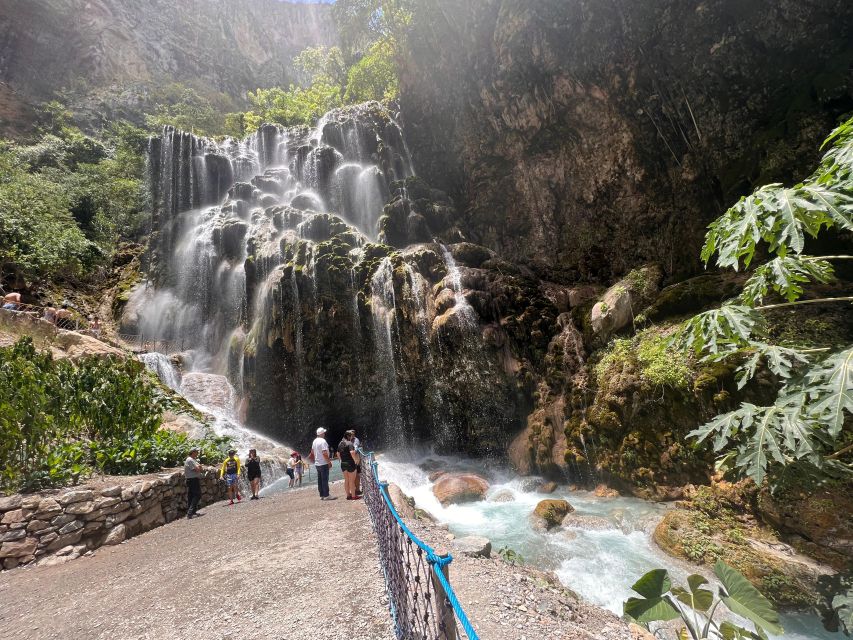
(804, 427)
(696, 606)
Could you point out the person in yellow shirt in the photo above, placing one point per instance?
(231, 472)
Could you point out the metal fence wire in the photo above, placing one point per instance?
(422, 602)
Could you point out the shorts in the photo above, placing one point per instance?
(348, 466)
(231, 479)
(290, 473)
(254, 477)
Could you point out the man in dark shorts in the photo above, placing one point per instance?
(349, 463)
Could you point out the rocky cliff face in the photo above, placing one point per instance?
(90, 46)
(587, 137)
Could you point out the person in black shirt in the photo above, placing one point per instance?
(253, 472)
(349, 463)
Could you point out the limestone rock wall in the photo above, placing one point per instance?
(106, 52)
(51, 527)
(590, 137)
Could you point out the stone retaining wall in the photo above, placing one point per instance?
(51, 527)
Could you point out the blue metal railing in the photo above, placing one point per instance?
(422, 602)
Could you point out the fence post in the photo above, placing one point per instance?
(443, 609)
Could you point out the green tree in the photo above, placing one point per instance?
(294, 106)
(374, 77)
(803, 431)
(324, 64)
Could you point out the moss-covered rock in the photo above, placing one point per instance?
(716, 523)
(550, 513)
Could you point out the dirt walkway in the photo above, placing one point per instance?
(285, 566)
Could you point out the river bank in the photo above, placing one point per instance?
(605, 548)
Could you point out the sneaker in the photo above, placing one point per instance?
(357, 497)
(239, 498)
(231, 502)
(350, 498)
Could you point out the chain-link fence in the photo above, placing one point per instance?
(421, 599)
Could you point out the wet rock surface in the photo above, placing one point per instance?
(459, 488)
(568, 144)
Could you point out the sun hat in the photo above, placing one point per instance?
(321, 431)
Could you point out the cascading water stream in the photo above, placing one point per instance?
(383, 306)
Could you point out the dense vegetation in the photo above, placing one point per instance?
(802, 434)
(60, 422)
(363, 68)
(67, 198)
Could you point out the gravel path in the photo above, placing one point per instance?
(285, 566)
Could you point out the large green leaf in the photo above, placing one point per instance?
(647, 610)
(695, 596)
(762, 443)
(830, 388)
(721, 331)
(655, 606)
(786, 276)
(745, 600)
(653, 584)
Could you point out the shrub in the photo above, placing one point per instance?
(60, 422)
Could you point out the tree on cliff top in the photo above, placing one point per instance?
(805, 433)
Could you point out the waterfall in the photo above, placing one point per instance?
(265, 268)
(383, 306)
(163, 367)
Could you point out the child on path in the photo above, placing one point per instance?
(230, 471)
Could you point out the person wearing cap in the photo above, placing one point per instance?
(230, 471)
(192, 474)
(322, 461)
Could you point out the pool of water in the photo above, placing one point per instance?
(600, 558)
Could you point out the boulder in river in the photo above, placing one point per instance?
(548, 486)
(550, 513)
(404, 504)
(504, 495)
(456, 488)
(587, 523)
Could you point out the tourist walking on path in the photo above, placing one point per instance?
(322, 461)
(349, 464)
(253, 472)
(192, 474)
(230, 471)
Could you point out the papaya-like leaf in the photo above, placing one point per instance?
(829, 386)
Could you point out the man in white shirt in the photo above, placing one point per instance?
(322, 461)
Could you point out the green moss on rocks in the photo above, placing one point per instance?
(716, 523)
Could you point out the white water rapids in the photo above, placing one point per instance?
(599, 559)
